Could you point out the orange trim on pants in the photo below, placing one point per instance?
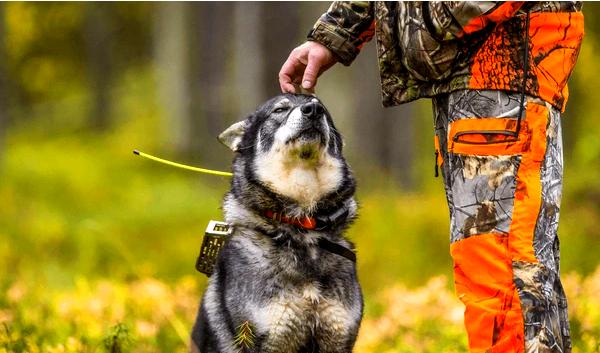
(528, 196)
(483, 263)
(484, 283)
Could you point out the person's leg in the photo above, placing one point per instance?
(504, 199)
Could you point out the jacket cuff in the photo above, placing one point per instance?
(334, 40)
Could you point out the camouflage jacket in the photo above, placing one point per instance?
(429, 48)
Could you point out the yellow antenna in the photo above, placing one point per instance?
(183, 166)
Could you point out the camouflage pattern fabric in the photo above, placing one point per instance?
(430, 48)
(484, 185)
(503, 175)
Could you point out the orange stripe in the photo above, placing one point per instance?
(528, 194)
(484, 283)
(483, 263)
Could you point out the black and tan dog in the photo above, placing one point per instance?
(286, 279)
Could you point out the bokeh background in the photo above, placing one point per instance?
(97, 246)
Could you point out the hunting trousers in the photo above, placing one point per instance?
(503, 193)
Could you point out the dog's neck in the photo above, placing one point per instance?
(305, 182)
(330, 218)
(322, 230)
(321, 222)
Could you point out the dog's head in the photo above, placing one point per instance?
(290, 153)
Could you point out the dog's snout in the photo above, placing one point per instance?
(312, 109)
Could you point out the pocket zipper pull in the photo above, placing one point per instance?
(436, 172)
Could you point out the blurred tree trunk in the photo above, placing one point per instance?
(3, 84)
(281, 30)
(249, 90)
(383, 135)
(97, 32)
(172, 74)
(401, 152)
(210, 44)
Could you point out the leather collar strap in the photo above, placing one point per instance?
(305, 223)
(311, 223)
(337, 249)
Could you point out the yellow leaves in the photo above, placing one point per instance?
(75, 319)
(16, 292)
(79, 319)
(584, 308)
(146, 329)
(408, 309)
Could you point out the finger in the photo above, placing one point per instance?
(286, 84)
(309, 80)
(307, 91)
(288, 74)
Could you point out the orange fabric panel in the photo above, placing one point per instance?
(500, 14)
(554, 45)
(555, 39)
(531, 145)
(484, 283)
(528, 195)
(471, 141)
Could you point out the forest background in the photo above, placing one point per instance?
(97, 246)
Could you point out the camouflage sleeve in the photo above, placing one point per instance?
(449, 20)
(345, 28)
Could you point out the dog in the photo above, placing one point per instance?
(285, 281)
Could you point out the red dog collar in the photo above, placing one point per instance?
(310, 223)
(306, 222)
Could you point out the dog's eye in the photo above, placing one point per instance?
(281, 110)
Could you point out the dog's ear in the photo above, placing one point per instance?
(232, 136)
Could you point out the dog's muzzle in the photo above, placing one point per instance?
(313, 121)
(312, 110)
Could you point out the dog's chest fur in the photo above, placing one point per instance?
(302, 182)
(298, 292)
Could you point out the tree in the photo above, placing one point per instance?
(210, 31)
(171, 64)
(97, 32)
(248, 56)
(383, 135)
(281, 28)
(3, 82)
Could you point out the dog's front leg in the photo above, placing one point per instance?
(338, 327)
(288, 326)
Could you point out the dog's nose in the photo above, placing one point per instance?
(312, 109)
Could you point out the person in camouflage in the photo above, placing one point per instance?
(497, 74)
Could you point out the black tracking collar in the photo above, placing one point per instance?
(337, 249)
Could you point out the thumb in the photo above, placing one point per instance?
(311, 72)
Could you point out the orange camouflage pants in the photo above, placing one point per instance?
(504, 197)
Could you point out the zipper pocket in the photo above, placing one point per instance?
(488, 136)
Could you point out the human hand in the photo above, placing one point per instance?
(305, 63)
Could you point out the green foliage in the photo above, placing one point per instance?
(117, 339)
(97, 246)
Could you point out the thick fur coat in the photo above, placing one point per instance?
(274, 288)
